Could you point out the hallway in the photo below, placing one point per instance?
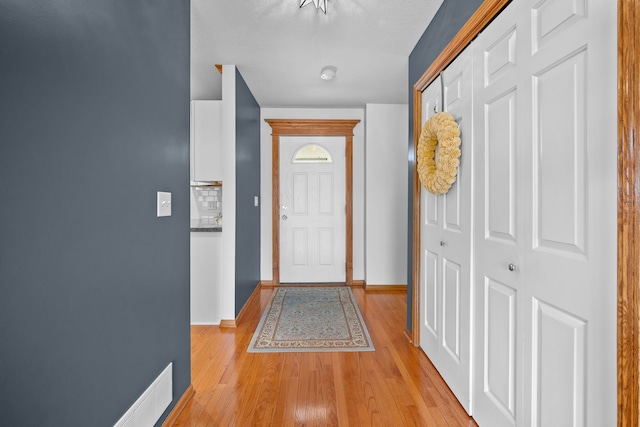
(394, 386)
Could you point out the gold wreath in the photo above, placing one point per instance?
(437, 171)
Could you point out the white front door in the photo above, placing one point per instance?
(312, 210)
(445, 242)
(546, 218)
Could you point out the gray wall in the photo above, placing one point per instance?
(451, 16)
(247, 186)
(94, 289)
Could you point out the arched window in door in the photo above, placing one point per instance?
(312, 153)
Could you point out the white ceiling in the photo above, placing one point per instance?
(280, 48)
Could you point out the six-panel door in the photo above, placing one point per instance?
(545, 102)
(312, 210)
(446, 241)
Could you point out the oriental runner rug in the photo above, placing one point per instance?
(311, 319)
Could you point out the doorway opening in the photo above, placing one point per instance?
(311, 127)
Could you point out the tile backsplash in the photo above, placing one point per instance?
(206, 205)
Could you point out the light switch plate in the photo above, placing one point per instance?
(164, 204)
(256, 201)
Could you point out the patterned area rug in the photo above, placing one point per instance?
(309, 319)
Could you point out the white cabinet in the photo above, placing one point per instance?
(206, 140)
(206, 277)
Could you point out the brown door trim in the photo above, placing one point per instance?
(628, 191)
(628, 213)
(308, 127)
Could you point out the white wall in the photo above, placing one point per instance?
(266, 262)
(386, 194)
(228, 282)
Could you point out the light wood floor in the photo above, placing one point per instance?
(394, 386)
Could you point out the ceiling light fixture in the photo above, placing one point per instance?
(319, 4)
(328, 72)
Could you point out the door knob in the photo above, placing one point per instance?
(512, 267)
(284, 217)
(442, 243)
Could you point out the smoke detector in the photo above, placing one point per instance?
(328, 72)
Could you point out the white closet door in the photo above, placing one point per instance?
(499, 236)
(430, 229)
(570, 201)
(446, 245)
(545, 110)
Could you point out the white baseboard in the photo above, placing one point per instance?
(149, 407)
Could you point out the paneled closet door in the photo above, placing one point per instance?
(446, 244)
(570, 247)
(430, 260)
(546, 219)
(499, 224)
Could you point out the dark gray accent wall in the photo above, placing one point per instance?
(247, 186)
(451, 16)
(94, 289)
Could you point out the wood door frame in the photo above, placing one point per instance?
(628, 280)
(311, 127)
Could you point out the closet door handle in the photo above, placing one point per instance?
(442, 243)
(512, 267)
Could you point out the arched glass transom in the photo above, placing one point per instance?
(312, 153)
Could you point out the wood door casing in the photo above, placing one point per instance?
(310, 127)
(628, 213)
(628, 190)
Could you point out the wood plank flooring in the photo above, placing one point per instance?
(394, 386)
